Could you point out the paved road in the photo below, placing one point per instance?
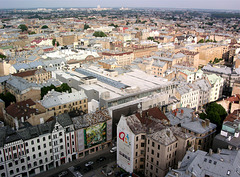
(96, 172)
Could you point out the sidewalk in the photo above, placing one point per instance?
(73, 163)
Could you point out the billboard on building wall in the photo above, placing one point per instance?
(125, 150)
(80, 140)
(95, 134)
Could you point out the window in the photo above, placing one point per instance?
(44, 145)
(151, 159)
(38, 141)
(22, 161)
(32, 142)
(137, 146)
(151, 167)
(28, 158)
(39, 147)
(23, 168)
(11, 172)
(33, 149)
(34, 156)
(152, 152)
(17, 170)
(157, 163)
(153, 144)
(157, 155)
(35, 164)
(136, 138)
(40, 154)
(44, 139)
(142, 137)
(159, 147)
(10, 164)
(136, 153)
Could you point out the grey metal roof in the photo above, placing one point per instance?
(103, 79)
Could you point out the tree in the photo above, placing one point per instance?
(8, 98)
(23, 27)
(44, 27)
(201, 41)
(63, 88)
(113, 25)
(32, 32)
(99, 34)
(57, 43)
(2, 56)
(215, 113)
(53, 42)
(86, 26)
(150, 38)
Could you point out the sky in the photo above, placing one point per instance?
(197, 4)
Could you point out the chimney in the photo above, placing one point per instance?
(218, 150)
(182, 111)
(175, 114)
(203, 123)
(193, 116)
(207, 122)
(179, 164)
(210, 152)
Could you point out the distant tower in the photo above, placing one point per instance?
(98, 7)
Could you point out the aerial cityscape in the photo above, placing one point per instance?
(120, 88)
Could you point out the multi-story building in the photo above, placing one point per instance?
(217, 86)
(34, 149)
(26, 111)
(65, 102)
(188, 94)
(230, 104)
(144, 143)
(201, 164)
(123, 58)
(37, 76)
(22, 89)
(229, 135)
(203, 130)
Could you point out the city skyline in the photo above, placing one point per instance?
(205, 4)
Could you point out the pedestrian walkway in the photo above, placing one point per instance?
(53, 171)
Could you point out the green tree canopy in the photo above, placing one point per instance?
(86, 26)
(8, 98)
(215, 113)
(2, 56)
(113, 25)
(63, 88)
(23, 27)
(44, 27)
(53, 42)
(99, 34)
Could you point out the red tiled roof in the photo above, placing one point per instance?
(234, 98)
(233, 116)
(153, 112)
(21, 109)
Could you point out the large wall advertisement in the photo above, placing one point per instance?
(95, 134)
(125, 149)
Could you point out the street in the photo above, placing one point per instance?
(97, 166)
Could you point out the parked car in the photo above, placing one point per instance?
(77, 168)
(100, 159)
(87, 169)
(114, 149)
(88, 163)
(63, 173)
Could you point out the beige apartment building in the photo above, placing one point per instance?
(209, 52)
(65, 102)
(147, 145)
(37, 76)
(123, 58)
(26, 111)
(144, 51)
